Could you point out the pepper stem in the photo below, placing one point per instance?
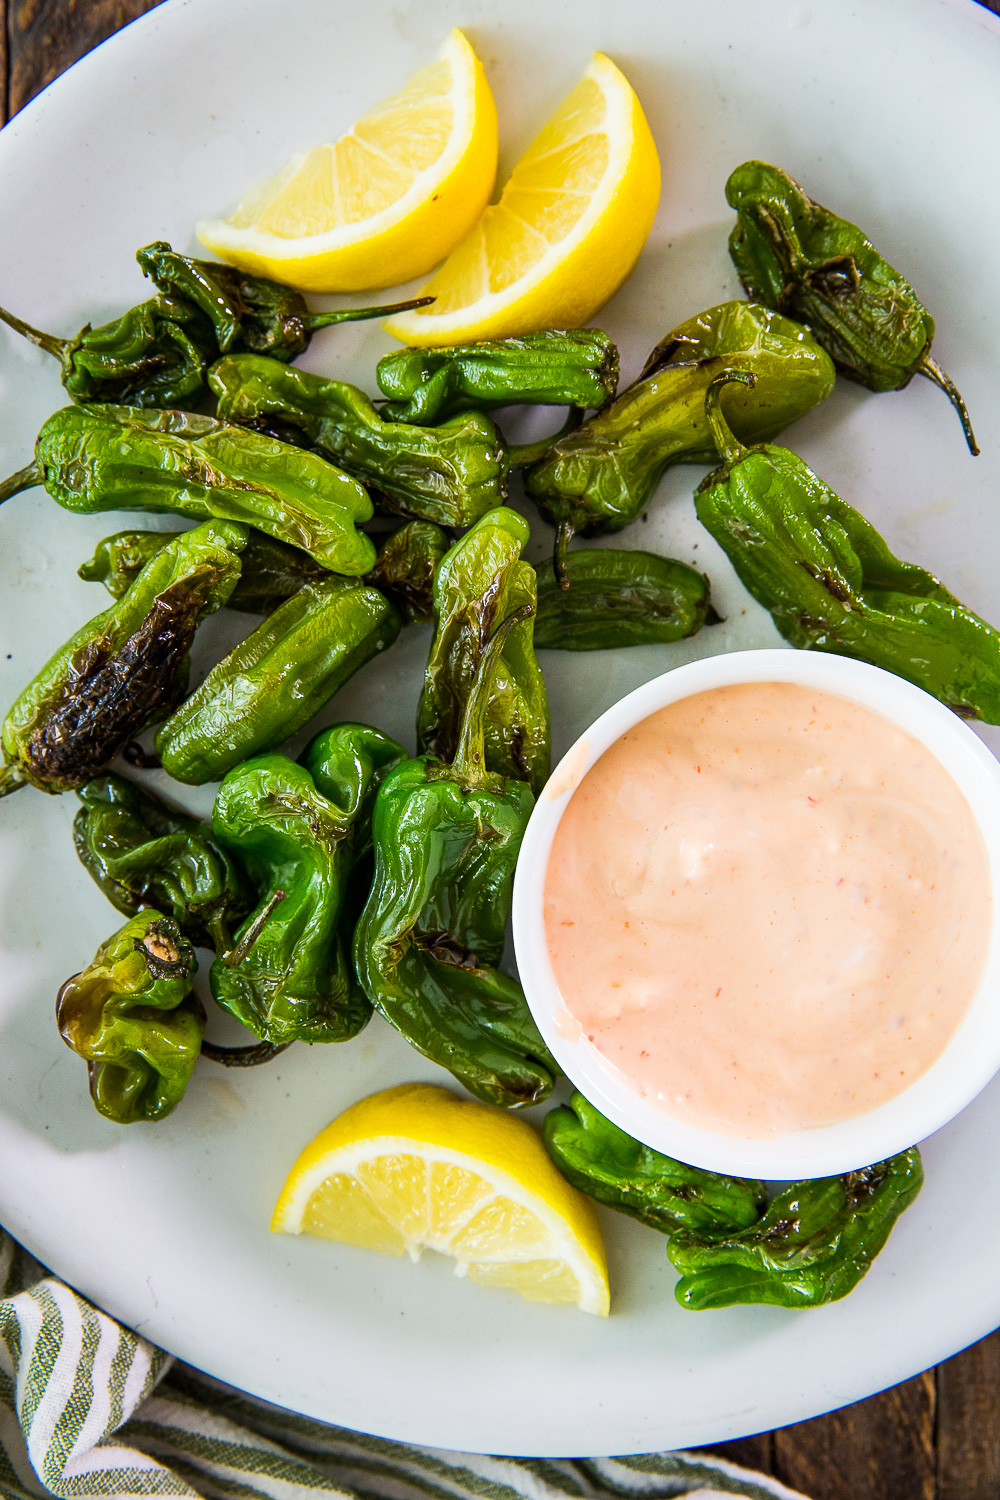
(469, 763)
(24, 479)
(730, 448)
(46, 341)
(564, 535)
(933, 371)
(358, 314)
(520, 454)
(12, 779)
(236, 955)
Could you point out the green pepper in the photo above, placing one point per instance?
(301, 829)
(572, 367)
(814, 1244)
(266, 689)
(601, 477)
(248, 312)
(122, 670)
(132, 1015)
(607, 1164)
(97, 458)
(153, 355)
(478, 582)
(450, 474)
(406, 568)
(797, 256)
(618, 598)
(271, 571)
(143, 853)
(446, 839)
(831, 583)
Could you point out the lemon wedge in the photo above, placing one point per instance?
(383, 203)
(414, 1168)
(567, 230)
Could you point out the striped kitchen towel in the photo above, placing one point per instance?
(88, 1408)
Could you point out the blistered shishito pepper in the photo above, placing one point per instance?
(601, 477)
(446, 839)
(619, 598)
(797, 256)
(609, 1165)
(814, 1244)
(143, 853)
(153, 355)
(271, 571)
(449, 474)
(273, 682)
(132, 1016)
(121, 671)
(479, 582)
(248, 312)
(575, 367)
(301, 829)
(96, 458)
(831, 583)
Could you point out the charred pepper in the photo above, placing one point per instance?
(301, 829)
(814, 1244)
(97, 458)
(798, 257)
(607, 1164)
(619, 598)
(600, 477)
(450, 474)
(132, 1016)
(446, 839)
(572, 367)
(153, 355)
(270, 686)
(831, 583)
(478, 582)
(248, 313)
(121, 671)
(143, 853)
(406, 567)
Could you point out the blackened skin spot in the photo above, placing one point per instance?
(106, 700)
(447, 949)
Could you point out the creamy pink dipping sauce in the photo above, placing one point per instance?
(768, 907)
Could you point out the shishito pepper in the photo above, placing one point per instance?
(478, 582)
(814, 1244)
(600, 477)
(572, 367)
(95, 458)
(798, 257)
(248, 312)
(272, 571)
(266, 689)
(446, 838)
(143, 853)
(132, 1015)
(450, 474)
(123, 669)
(607, 1164)
(831, 583)
(301, 829)
(153, 355)
(619, 598)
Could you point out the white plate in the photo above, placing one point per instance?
(885, 109)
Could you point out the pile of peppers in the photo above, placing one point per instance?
(356, 878)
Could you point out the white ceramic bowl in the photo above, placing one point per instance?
(967, 1063)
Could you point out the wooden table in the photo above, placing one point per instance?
(936, 1437)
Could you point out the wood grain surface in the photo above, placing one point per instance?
(936, 1437)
